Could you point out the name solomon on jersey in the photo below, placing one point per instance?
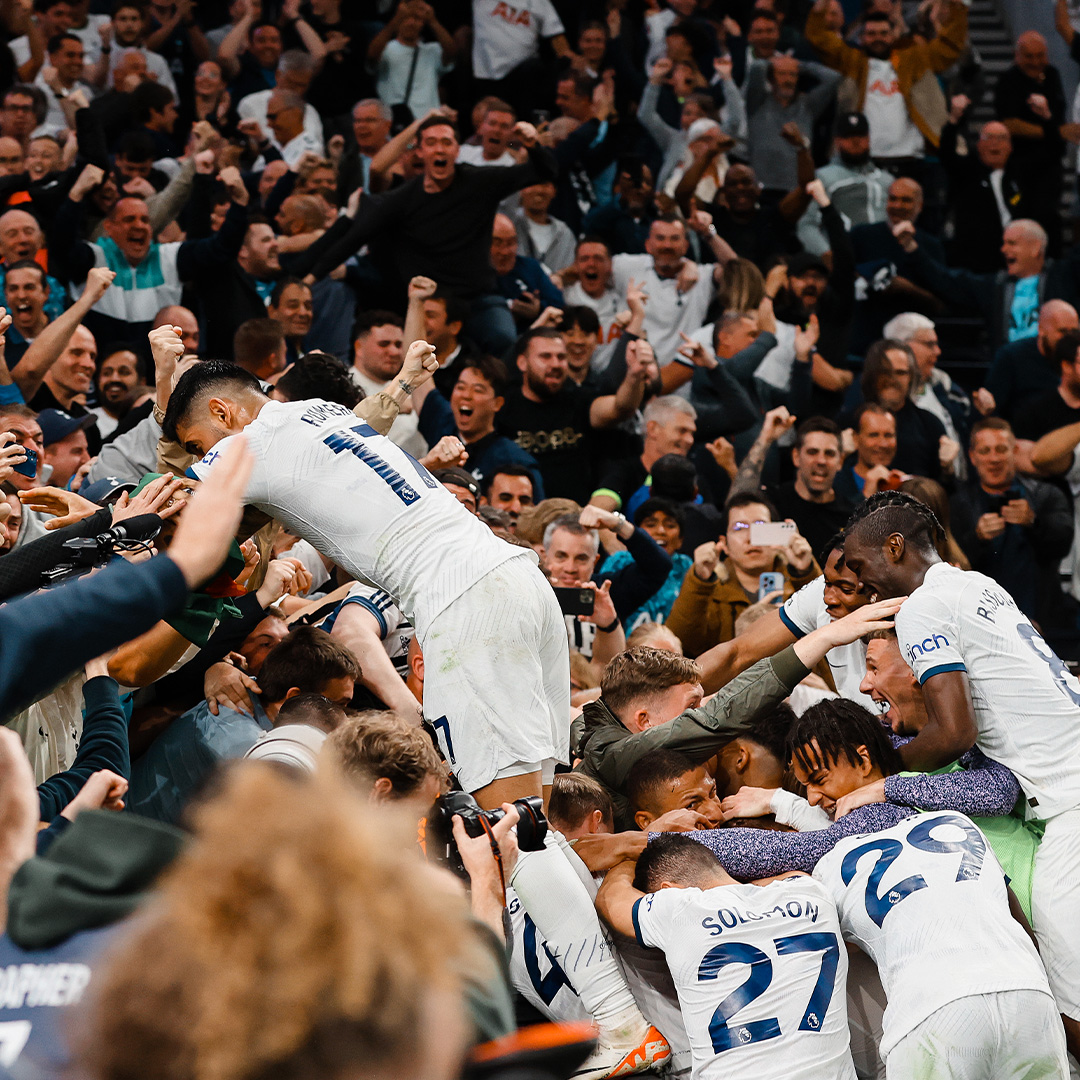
(730, 918)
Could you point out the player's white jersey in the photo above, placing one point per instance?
(534, 973)
(1027, 705)
(395, 631)
(761, 973)
(540, 978)
(803, 612)
(366, 504)
(926, 900)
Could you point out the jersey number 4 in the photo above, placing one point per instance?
(724, 1036)
(878, 904)
(547, 986)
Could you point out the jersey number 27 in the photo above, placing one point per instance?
(723, 1035)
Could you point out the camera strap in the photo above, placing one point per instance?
(497, 855)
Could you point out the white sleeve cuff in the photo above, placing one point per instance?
(790, 809)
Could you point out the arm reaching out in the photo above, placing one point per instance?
(952, 729)
(48, 346)
(212, 516)
(421, 289)
(1052, 455)
(357, 629)
(818, 643)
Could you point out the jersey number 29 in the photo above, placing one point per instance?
(878, 905)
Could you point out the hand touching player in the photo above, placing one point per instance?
(872, 793)
(877, 616)
(748, 802)
(601, 851)
(158, 497)
(680, 820)
(226, 686)
(284, 577)
(864, 620)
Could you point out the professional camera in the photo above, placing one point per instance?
(84, 553)
(531, 828)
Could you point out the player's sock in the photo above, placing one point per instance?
(563, 911)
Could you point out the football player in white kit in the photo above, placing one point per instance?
(496, 660)
(989, 678)
(757, 968)
(831, 596)
(480, 606)
(836, 593)
(968, 996)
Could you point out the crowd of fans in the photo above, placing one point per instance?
(324, 324)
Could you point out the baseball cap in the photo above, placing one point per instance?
(57, 425)
(459, 478)
(701, 127)
(106, 489)
(851, 124)
(297, 745)
(805, 263)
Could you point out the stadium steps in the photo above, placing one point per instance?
(989, 35)
(963, 339)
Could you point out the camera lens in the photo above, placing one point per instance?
(532, 827)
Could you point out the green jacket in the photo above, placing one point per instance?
(608, 751)
(96, 873)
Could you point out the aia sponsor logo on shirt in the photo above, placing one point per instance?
(880, 86)
(514, 16)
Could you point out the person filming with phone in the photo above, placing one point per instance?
(756, 558)
(593, 604)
